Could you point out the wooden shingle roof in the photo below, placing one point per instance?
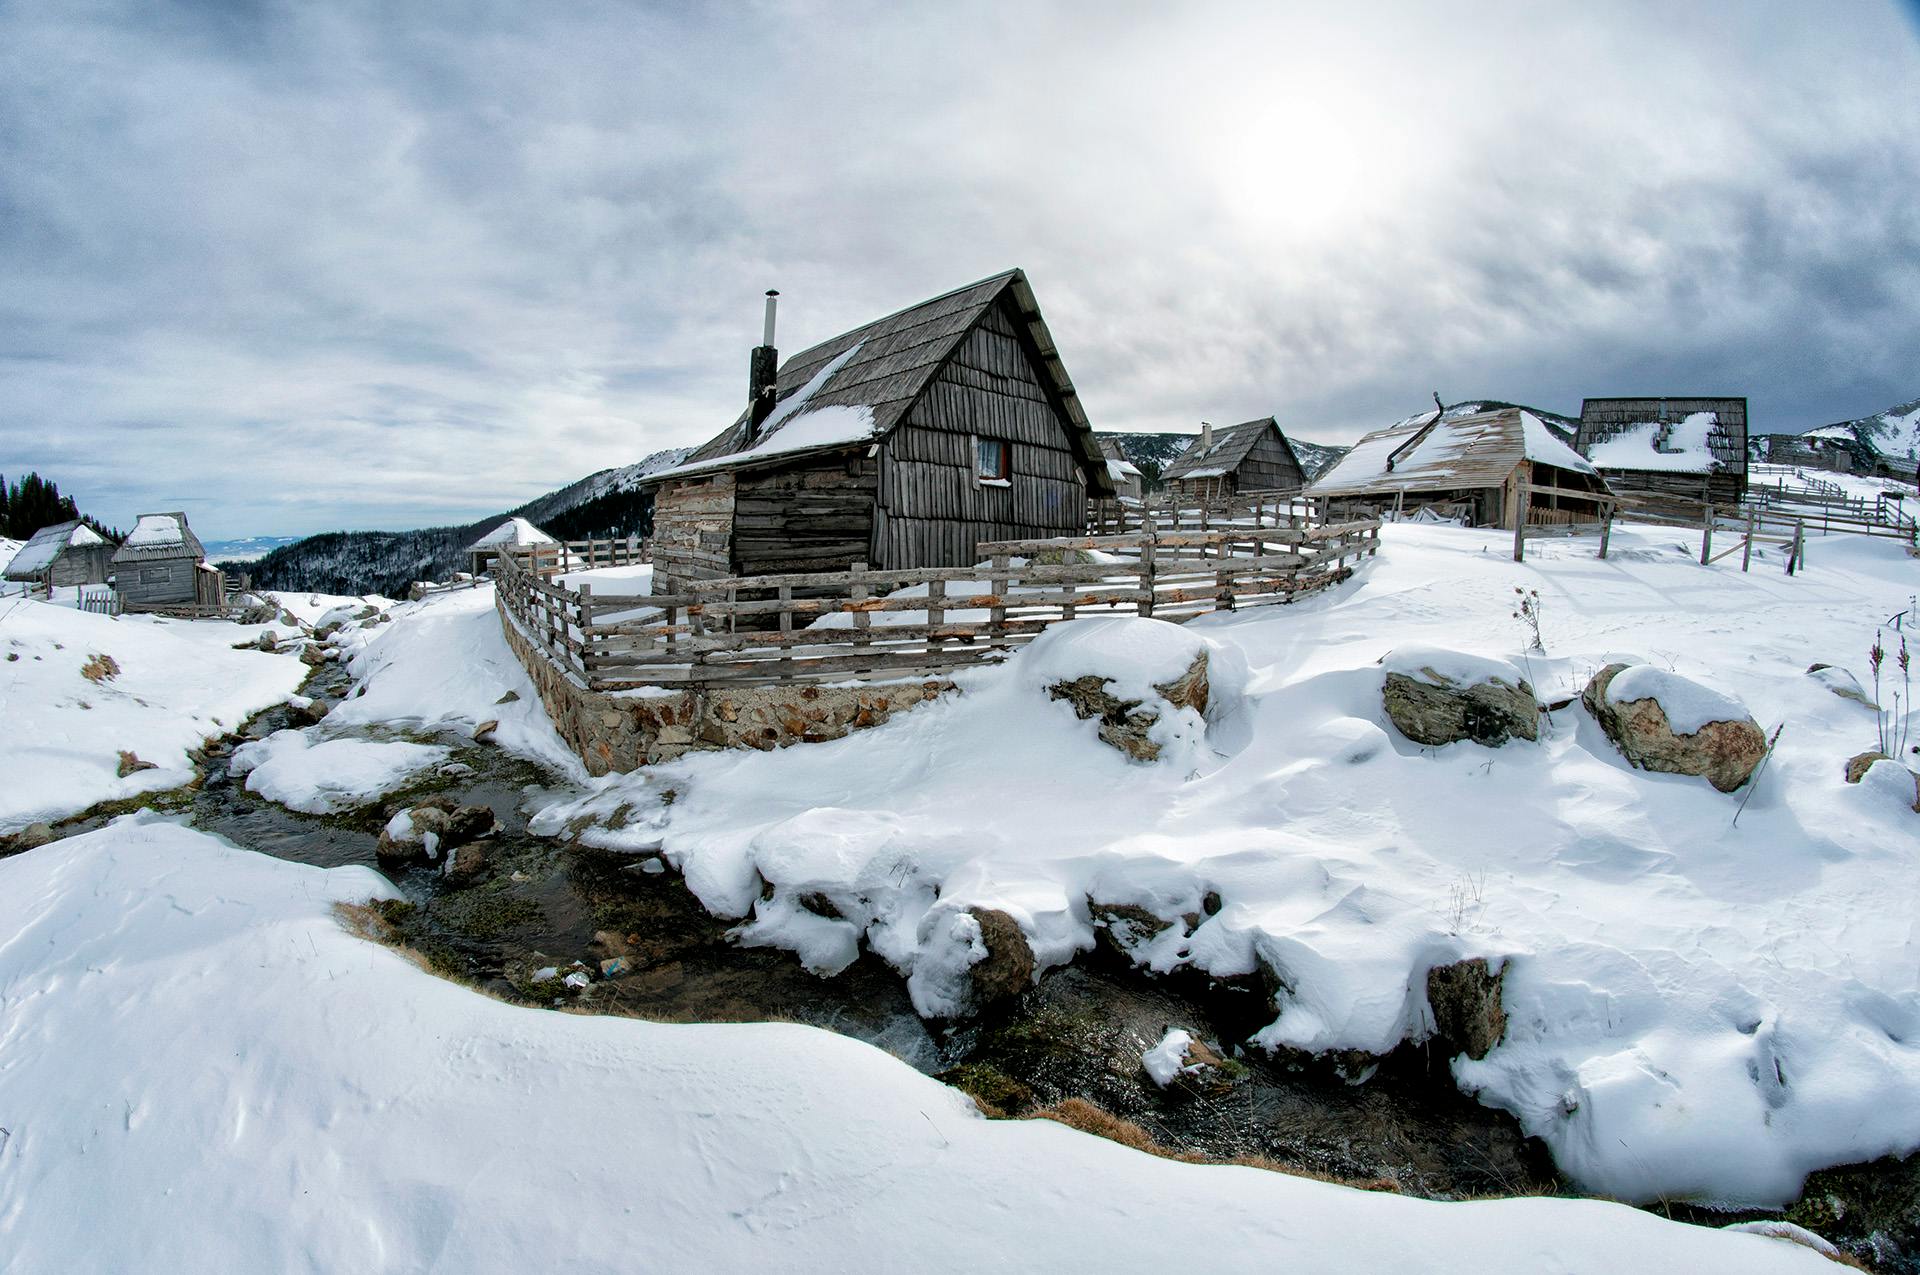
(158, 536)
(1461, 453)
(46, 545)
(881, 369)
(1642, 434)
(1230, 446)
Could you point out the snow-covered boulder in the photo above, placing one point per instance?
(1840, 682)
(332, 775)
(435, 825)
(1437, 696)
(1185, 1064)
(1877, 772)
(1662, 721)
(1150, 685)
(967, 959)
(1465, 999)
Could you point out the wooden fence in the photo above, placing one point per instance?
(866, 624)
(1170, 513)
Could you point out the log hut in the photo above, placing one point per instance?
(1123, 473)
(163, 564)
(1251, 456)
(1468, 466)
(1692, 448)
(902, 443)
(64, 554)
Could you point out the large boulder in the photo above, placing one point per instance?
(1435, 696)
(1882, 773)
(1149, 684)
(1465, 999)
(1664, 722)
(968, 958)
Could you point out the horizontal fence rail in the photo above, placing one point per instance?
(864, 624)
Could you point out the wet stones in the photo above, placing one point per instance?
(1436, 697)
(1465, 999)
(132, 765)
(1008, 969)
(1724, 752)
(437, 827)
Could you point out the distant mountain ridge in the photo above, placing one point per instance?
(1892, 435)
(605, 503)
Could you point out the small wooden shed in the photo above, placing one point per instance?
(902, 443)
(1251, 456)
(1695, 448)
(163, 564)
(512, 533)
(1467, 466)
(1123, 473)
(66, 553)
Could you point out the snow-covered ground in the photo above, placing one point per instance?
(1697, 1009)
(202, 1070)
(61, 732)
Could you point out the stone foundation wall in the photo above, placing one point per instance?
(624, 732)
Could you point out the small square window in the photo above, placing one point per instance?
(992, 459)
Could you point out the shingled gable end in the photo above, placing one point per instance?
(903, 443)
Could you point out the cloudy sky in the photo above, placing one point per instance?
(294, 267)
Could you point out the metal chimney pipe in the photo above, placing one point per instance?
(763, 376)
(766, 333)
(1206, 436)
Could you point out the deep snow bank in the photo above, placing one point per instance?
(61, 734)
(203, 1071)
(1695, 1009)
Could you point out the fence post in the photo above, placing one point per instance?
(861, 618)
(1606, 526)
(936, 614)
(997, 615)
(1146, 571)
(1523, 502)
(1746, 554)
(586, 629)
(1706, 537)
(1794, 562)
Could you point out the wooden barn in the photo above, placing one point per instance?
(903, 443)
(1251, 456)
(163, 564)
(1694, 448)
(67, 553)
(1467, 466)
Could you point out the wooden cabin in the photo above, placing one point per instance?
(903, 443)
(1251, 456)
(1128, 484)
(64, 554)
(1468, 466)
(1694, 448)
(163, 564)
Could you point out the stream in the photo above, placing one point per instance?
(544, 904)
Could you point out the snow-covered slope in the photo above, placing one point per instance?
(203, 1071)
(1697, 1009)
(168, 687)
(1893, 434)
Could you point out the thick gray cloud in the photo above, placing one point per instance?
(294, 267)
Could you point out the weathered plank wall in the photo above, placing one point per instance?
(81, 564)
(157, 580)
(932, 510)
(1268, 467)
(813, 515)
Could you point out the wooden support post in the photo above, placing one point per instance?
(586, 627)
(786, 608)
(1606, 525)
(1794, 562)
(1706, 537)
(1746, 554)
(1522, 501)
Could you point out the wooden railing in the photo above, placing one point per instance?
(1167, 512)
(865, 624)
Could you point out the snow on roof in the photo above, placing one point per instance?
(791, 427)
(1468, 451)
(160, 536)
(45, 545)
(1679, 447)
(1120, 471)
(156, 529)
(514, 531)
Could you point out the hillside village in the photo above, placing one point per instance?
(959, 638)
(1256, 736)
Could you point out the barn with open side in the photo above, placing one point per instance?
(1251, 456)
(902, 443)
(1694, 448)
(163, 564)
(1467, 466)
(512, 533)
(64, 554)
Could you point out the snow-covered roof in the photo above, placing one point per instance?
(160, 536)
(861, 384)
(1462, 452)
(1229, 447)
(513, 531)
(47, 544)
(1677, 447)
(1121, 471)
